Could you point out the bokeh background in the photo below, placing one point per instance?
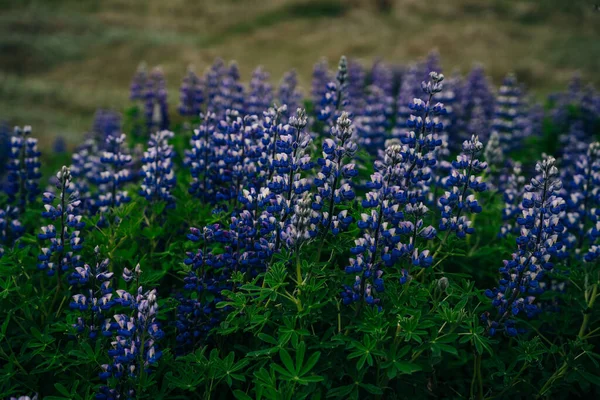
(60, 60)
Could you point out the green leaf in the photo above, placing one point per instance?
(241, 395)
(371, 388)
(287, 361)
(448, 349)
(310, 363)
(593, 379)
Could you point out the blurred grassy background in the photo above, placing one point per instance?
(62, 59)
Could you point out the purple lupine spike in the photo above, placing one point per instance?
(289, 94)
(513, 187)
(156, 109)
(135, 345)
(95, 297)
(115, 173)
(372, 121)
(11, 228)
(232, 91)
(106, 123)
(382, 76)
(461, 186)
(200, 157)
(509, 117)
(260, 93)
(581, 189)
(333, 182)
(23, 168)
(157, 169)
(539, 240)
(191, 94)
(320, 78)
(355, 91)
(63, 233)
(410, 88)
(138, 83)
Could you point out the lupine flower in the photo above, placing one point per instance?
(35, 397)
(23, 168)
(320, 78)
(197, 313)
(355, 89)
(231, 95)
(156, 109)
(521, 276)
(335, 97)
(63, 234)
(509, 117)
(476, 102)
(493, 154)
(513, 184)
(134, 349)
(157, 170)
(581, 190)
(409, 89)
(115, 174)
(10, 227)
(289, 94)
(461, 185)
(372, 120)
(333, 181)
(106, 123)
(138, 83)
(199, 157)
(213, 80)
(95, 297)
(191, 95)
(260, 93)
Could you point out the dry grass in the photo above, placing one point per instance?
(59, 62)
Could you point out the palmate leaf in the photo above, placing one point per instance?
(298, 371)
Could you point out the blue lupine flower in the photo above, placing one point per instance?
(288, 93)
(509, 116)
(541, 227)
(200, 156)
(23, 167)
(333, 181)
(156, 109)
(320, 78)
(191, 95)
(94, 299)
(10, 227)
(157, 170)
(513, 184)
(135, 347)
(138, 84)
(106, 123)
(114, 175)
(461, 185)
(64, 239)
(260, 93)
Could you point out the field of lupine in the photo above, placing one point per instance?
(264, 243)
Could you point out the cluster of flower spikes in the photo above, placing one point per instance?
(63, 234)
(209, 275)
(156, 108)
(191, 94)
(582, 196)
(157, 169)
(510, 117)
(114, 174)
(333, 181)
(260, 93)
(288, 92)
(95, 298)
(22, 186)
(578, 104)
(288, 186)
(134, 349)
(460, 186)
(539, 241)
